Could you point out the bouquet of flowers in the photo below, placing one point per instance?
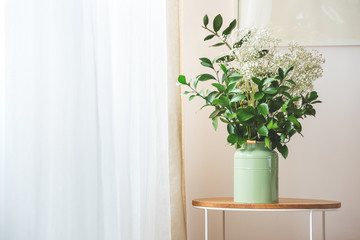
(260, 92)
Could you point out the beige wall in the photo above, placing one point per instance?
(324, 164)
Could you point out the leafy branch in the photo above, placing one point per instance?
(268, 112)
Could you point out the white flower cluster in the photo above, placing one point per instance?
(257, 55)
(307, 67)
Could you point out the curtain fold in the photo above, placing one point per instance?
(176, 157)
(91, 140)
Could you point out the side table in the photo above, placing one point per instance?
(285, 204)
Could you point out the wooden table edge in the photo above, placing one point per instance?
(297, 203)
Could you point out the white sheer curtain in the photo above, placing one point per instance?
(84, 129)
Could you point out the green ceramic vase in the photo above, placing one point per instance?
(255, 174)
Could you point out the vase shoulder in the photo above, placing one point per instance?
(254, 151)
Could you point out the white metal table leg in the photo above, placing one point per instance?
(311, 224)
(223, 225)
(323, 225)
(206, 225)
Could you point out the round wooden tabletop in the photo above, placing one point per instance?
(284, 203)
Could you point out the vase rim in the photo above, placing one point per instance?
(254, 142)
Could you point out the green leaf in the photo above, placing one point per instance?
(215, 123)
(219, 86)
(263, 109)
(275, 104)
(234, 78)
(217, 44)
(206, 105)
(267, 142)
(244, 115)
(283, 89)
(235, 90)
(288, 127)
(263, 53)
(182, 79)
(313, 96)
(291, 81)
(281, 73)
(225, 121)
(294, 99)
(202, 93)
(294, 121)
(286, 94)
(257, 81)
(259, 119)
(206, 60)
(208, 37)
(242, 40)
(241, 141)
(284, 106)
(185, 93)
(283, 150)
(232, 138)
(206, 20)
(237, 98)
(263, 131)
(288, 70)
(214, 113)
(292, 132)
(217, 23)
(207, 65)
(205, 77)
(226, 58)
(299, 111)
(258, 95)
(223, 68)
(211, 96)
(195, 83)
(283, 137)
(230, 129)
(310, 111)
(270, 90)
(226, 100)
(218, 101)
(230, 116)
(268, 80)
(229, 29)
(270, 124)
(224, 79)
(192, 97)
(233, 81)
(231, 86)
(303, 100)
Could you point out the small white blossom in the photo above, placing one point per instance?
(257, 55)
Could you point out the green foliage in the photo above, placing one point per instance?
(217, 23)
(270, 112)
(229, 29)
(206, 20)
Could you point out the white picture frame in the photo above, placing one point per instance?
(308, 22)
